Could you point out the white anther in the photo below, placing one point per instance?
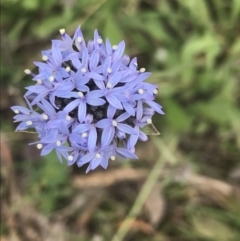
(114, 47)
(68, 117)
(62, 31)
(80, 94)
(44, 116)
(58, 143)
(51, 78)
(155, 91)
(16, 111)
(39, 81)
(142, 70)
(109, 85)
(68, 69)
(98, 155)
(84, 134)
(83, 70)
(29, 123)
(27, 71)
(109, 70)
(45, 57)
(39, 146)
(79, 39)
(149, 121)
(113, 158)
(140, 91)
(99, 40)
(70, 158)
(114, 123)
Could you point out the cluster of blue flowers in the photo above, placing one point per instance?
(89, 102)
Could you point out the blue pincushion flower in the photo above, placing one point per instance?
(89, 103)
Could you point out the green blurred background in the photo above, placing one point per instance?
(192, 48)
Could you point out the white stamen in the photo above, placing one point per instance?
(109, 70)
(68, 69)
(140, 91)
(16, 111)
(29, 123)
(68, 117)
(83, 70)
(39, 146)
(113, 158)
(45, 57)
(62, 31)
(39, 81)
(114, 123)
(51, 78)
(109, 85)
(99, 40)
(79, 39)
(114, 47)
(84, 134)
(80, 94)
(44, 116)
(155, 91)
(98, 155)
(142, 70)
(58, 143)
(149, 121)
(27, 71)
(70, 158)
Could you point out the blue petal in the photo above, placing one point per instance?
(21, 109)
(94, 76)
(47, 149)
(72, 105)
(104, 162)
(125, 153)
(111, 111)
(37, 88)
(155, 106)
(94, 59)
(47, 107)
(107, 135)
(123, 117)
(95, 94)
(96, 162)
(139, 110)
(85, 159)
(84, 56)
(118, 53)
(142, 136)
(81, 128)
(128, 107)
(96, 102)
(126, 129)
(92, 139)
(133, 139)
(82, 110)
(114, 101)
(143, 76)
(104, 123)
(114, 79)
(56, 55)
(106, 65)
(108, 47)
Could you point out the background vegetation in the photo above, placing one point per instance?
(186, 184)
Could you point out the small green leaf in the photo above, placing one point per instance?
(150, 130)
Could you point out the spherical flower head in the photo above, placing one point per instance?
(89, 103)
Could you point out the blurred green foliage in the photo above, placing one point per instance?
(192, 48)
